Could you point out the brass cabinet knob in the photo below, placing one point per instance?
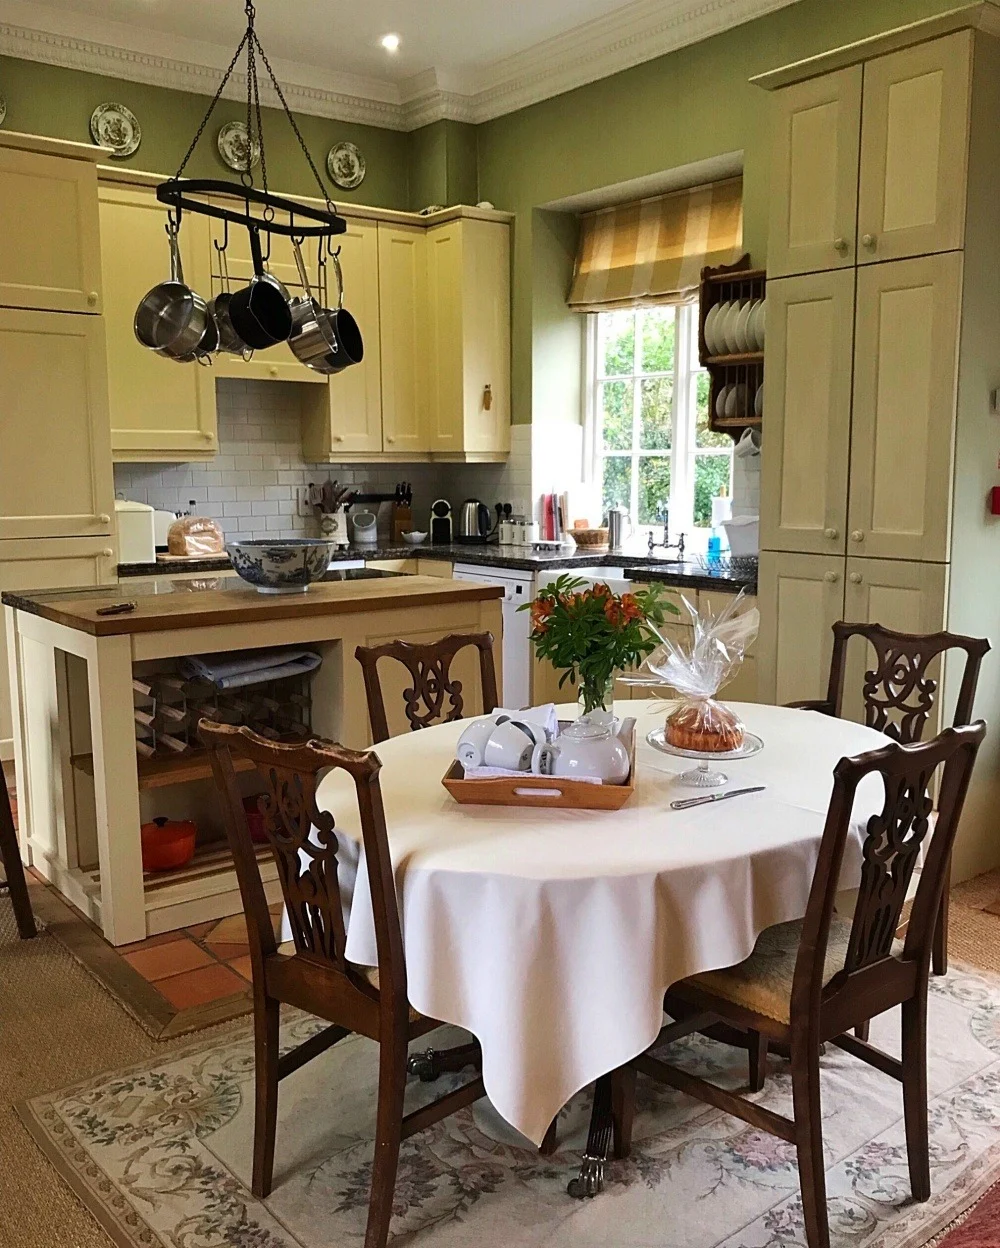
(831, 577)
(857, 535)
(92, 299)
(840, 244)
(832, 534)
(869, 241)
(855, 578)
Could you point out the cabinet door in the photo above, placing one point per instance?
(402, 270)
(276, 363)
(814, 174)
(52, 564)
(446, 343)
(50, 248)
(907, 597)
(800, 598)
(808, 387)
(356, 393)
(160, 410)
(905, 376)
(914, 150)
(55, 463)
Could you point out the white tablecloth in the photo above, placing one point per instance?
(551, 935)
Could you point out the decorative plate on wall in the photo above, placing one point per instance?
(232, 142)
(115, 126)
(346, 166)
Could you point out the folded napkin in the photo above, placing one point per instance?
(238, 669)
(544, 715)
(497, 773)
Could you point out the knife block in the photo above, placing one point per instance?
(402, 520)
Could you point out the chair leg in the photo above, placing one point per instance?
(863, 1030)
(915, 1095)
(809, 1145)
(388, 1134)
(757, 1054)
(265, 1018)
(10, 856)
(622, 1110)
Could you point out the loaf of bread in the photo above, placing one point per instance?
(195, 536)
(708, 727)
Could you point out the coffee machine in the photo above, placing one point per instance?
(440, 525)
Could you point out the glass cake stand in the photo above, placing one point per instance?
(703, 776)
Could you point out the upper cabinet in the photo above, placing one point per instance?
(402, 279)
(468, 279)
(870, 162)
(814, 174)
(50, 256)
(159, 410)
(914, 150)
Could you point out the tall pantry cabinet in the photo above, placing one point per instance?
(56, 489)
(883, 348)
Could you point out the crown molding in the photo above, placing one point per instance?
(635, 33)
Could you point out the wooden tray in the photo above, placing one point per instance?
(529, 790)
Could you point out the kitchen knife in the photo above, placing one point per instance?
(685, 803)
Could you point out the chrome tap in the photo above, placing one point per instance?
(666, 544)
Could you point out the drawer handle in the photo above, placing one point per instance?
(832, 534)
(840, 244)
(855, 578)
(273, 370)
(857, 535)
(92, 299)
(832, 577)
(869, 241)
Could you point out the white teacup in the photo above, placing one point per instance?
(472, 742)
(509, 747)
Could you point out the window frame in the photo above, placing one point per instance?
(684, 450)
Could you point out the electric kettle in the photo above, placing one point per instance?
(473, 521)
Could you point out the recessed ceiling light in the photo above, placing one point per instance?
(390, 43)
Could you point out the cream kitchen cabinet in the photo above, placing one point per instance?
(55, 463)
(905, 377)
(814, 174)
(914, 150)
(403, 312)
(800, 598)
(50, 249)
(160, 411)
(55, 563)
(345, 417)
(804, 473)
(468, 278)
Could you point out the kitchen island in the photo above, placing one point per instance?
(80, 678)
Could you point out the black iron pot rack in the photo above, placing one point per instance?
(180, 193)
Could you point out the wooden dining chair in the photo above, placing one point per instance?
(809, 982)
(899, 697)
(434, 697)
(10, 856)
(317, 977)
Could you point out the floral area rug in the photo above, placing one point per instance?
(161, 1153)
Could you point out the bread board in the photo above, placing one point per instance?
(542, 791)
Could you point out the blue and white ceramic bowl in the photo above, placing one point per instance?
(281, 567)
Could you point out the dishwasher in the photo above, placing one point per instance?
(517, 589)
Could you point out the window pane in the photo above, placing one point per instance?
(617, 402)
(616, 346)
(657, 396)
(657, 342)
(711, 473)
(704, 436)
(654, 487)
(617, 483)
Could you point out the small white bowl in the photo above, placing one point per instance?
(414, 538)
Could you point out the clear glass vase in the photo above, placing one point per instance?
(596, 702)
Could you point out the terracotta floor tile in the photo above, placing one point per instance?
(151, 942)
(200, 930)
(242, 966)
(170, 959)
(227, 952)
(208, 983)
(230, 931)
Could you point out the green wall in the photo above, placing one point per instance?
(443, 165)
(49, 100)
(690, 105)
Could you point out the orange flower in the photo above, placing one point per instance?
(630, 605)
(614, 612)
(601, 590)
(541, 609)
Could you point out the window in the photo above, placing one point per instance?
(651, 446)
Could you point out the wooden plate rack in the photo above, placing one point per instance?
(727, 284)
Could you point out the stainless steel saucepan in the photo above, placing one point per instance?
(229, 339)
(172, 319)
(350, 347)
(312, 339)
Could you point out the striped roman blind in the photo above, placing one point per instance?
(653, 251)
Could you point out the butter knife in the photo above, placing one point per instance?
(685, 803)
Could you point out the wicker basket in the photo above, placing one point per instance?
(592, 538)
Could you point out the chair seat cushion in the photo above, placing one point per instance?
(371, 974)
(763, 981)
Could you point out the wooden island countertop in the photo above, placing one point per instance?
(165, 605)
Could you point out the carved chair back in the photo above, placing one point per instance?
(303, 843)
(891, 845)
(898, 693)
(434, 696)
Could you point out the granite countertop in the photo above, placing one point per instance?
(638, 566)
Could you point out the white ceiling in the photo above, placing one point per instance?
(467, 59)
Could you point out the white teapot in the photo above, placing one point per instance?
(583, 751)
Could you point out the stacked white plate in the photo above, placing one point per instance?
(735, 327)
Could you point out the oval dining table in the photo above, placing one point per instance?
(552, 934)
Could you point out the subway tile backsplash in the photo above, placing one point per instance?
(250, 487)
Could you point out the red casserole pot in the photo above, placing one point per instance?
(167, 843)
